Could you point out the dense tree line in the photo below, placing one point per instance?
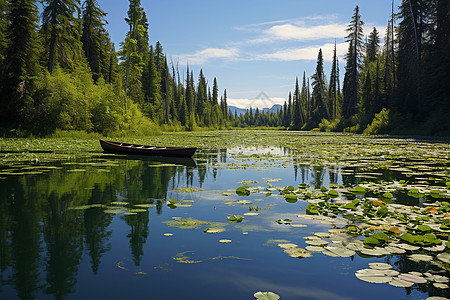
(65, 73)
(399, 87)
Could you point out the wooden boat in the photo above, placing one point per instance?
(125, 148)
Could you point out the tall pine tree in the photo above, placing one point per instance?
(4, 9)
(95, 39)
(320, 106)
(353, 66)
(61, 29)
(21, 59)
(413, 29)
(333, 89)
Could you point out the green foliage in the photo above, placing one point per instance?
(380, 123)
(329, 126)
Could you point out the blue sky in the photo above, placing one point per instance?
(251, 46)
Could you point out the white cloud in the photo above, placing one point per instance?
(299, 31)
(254, 103)
(306, 53)
(202, 56)
(302, 33)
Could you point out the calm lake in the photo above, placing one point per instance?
(230, 222)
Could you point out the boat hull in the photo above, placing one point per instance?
(134, 149)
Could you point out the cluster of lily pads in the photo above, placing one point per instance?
(120, 207)
(384, 273)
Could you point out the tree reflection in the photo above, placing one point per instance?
(42, 241)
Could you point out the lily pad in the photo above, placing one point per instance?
(380, 266)
(235, 218)
(441, 285)
(214, 229)
(316, 242)
(338, 251)
(420, 257)
(400, 282)
(314, 249)
(412, 278)
(243, 191)
(375, 276)
(297, 252)
(287, 245)
(266, 296)
(444, 257)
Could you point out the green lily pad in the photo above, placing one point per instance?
(214, 229)
(138, 210)
(235, 218)
(266, 296)
(358, 190)
(424, 228)
(387, 195)
(243, 191)
(371, 241)
(291, 198)
(333, 194)
(188, 223)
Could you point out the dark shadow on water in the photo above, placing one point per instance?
(182, 161)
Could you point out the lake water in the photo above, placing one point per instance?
(104, 228)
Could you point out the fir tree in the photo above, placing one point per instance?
(21, 59)
(411, 33)
(59, 22)
(4, 9)
(389, 61)
(320, 107)
(289, 111)
(297, 108)
(224, 105)
(215, 95)
(202, 96)
(94, 38)
(153, 97)
(131, 55)
(439, 66)
(353, 57)
(372, 46)
(334, 84)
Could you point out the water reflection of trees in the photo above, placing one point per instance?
(42, 241)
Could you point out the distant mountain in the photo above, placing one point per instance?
(241, 111)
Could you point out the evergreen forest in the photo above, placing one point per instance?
(59, 70)
(401, 86)
(64, 73)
